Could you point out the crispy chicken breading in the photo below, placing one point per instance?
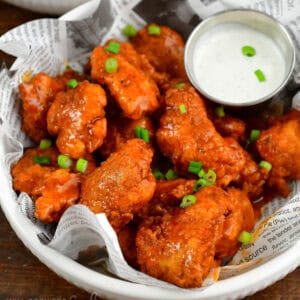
(164, 51)
(134, 91)
(191, 136)
(77, 117)
(122, 185)
(179, 247)
(120, 130)
(280, 146)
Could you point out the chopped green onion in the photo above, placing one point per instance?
(111, 65)
(260, 75)
(171, 174)
(113, 47)
(254, 135)
(248, 51)
(266, 165)
(182, 108)
(129, 30)
(64, 161)
(179, 85)
(45, 143)
(220, 111)
(194, 167)
(201, 174)
(245, 237)
(142, 133)
(81, 165)
(68, 67)
(154, 30)
(210, 177)
(187, 201)
(42, 160)
(158, 174)
(72, 83)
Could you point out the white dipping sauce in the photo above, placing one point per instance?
(223, 72)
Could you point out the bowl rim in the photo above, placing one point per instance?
(189, 49)
(103, 285)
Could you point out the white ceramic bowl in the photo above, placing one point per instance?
(111, 288)
(55, 7)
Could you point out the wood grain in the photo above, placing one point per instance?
(23, 276)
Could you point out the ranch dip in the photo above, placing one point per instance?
(224, 72)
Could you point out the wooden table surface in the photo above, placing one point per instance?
(22, 276)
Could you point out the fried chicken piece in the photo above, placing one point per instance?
(164, 51)
(179, 247)
(290, 115)
(77, 117)
(37, 96)
(135, 92)
(252, 178)
(126, 237)
(29, 176)
(168, 193)
(140, 61)
(61, 190)
(280, 146)
(229, 126)
(120, 130)
(122, 185)
(191, 136)
(239, 217)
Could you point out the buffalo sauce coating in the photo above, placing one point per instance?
(280, 146)
(122, 185)
(191, 136)
(77, 117)
(133, 90)
(164, 51)
(179, 246)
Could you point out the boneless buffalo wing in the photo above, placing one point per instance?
(135, 92)
(122, 185)
(132, 139)
(280, 146)
(188, 135)
(77, 117)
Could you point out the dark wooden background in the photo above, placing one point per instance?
(22, 276)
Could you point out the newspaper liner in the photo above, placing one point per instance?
(46, 46)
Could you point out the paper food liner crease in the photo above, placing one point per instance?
(46, 45)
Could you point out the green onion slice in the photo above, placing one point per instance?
(266, 165)
(42, 160)
(195, 167)
(81, 165)
(142, 133)
(220, 111)
(210, 177)
(171, 175)
(111, 65)
(72, 83)
(129, 30)
(64, 161)
(158, 174)
(179, 85)
(260, 75)
(45, 144)
(201, 174)
(154, 30)
(182, 108)
(254, 135)
(245, 237)
(248, 51)
(188, 200)
(113, 47)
